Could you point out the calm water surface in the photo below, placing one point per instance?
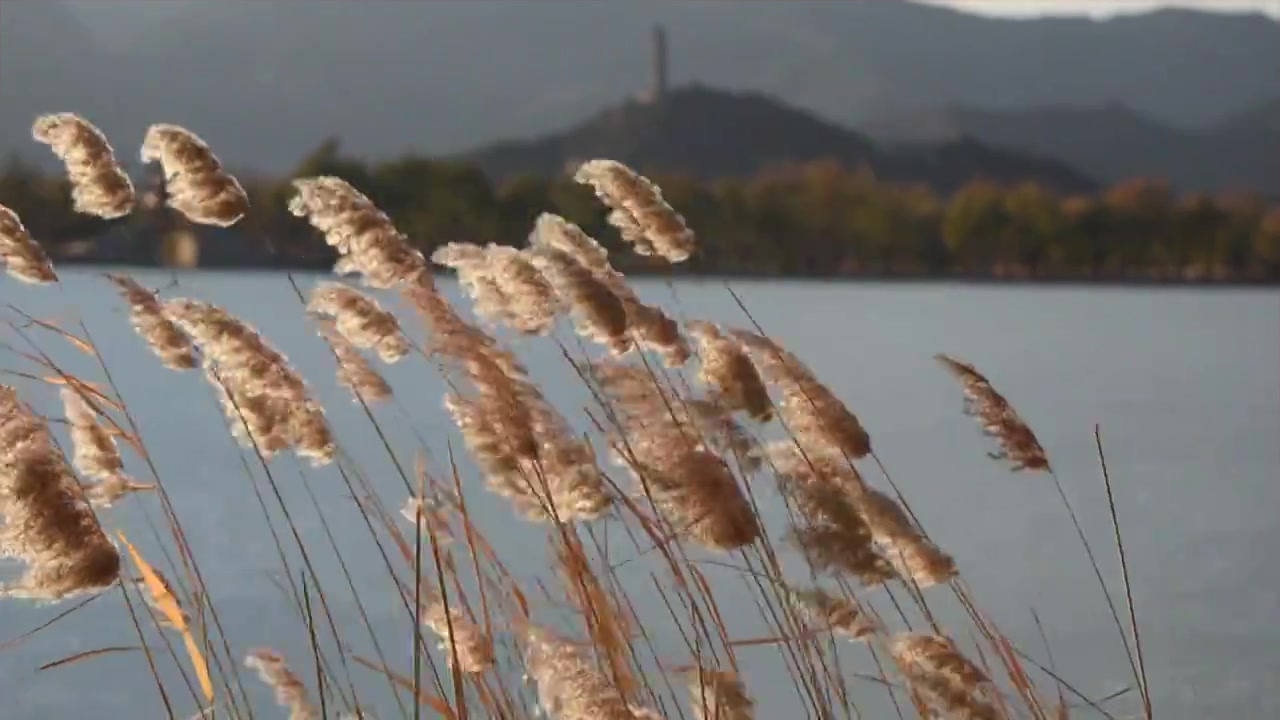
(1184, 383)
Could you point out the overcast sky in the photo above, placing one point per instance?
(1103, 8)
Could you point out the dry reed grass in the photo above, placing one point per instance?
(820, 422)
(719, 695)
(729, 372)
(96, 455)
(506, 285)
(273, 669)
(22, 256)
(911, 553)
(836, 613)
(460, 637)
(525, 447)
(529, 456)
(693, 462)
(471, 263)
(662, 446)
(360, 320)
(640, 213)
(599, 314)
(365, 238)
(98, 186)
(1018, 444)
(354, 372)
(265, 399)
(652, 328)
(435, 514)
(164, 338)
(835, 535)
(949, 682)
(48, 525)
(569, 687)
(196, 184)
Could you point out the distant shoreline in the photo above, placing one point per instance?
(711, 277)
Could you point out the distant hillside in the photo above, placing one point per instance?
(1264, 117)
(1113, 142)
(267, 80)
(710, 133)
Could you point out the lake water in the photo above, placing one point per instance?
(1185, 384)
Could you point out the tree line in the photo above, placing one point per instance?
(818, 219)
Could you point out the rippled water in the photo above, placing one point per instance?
(1184, 383)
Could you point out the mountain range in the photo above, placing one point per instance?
(709, 133)
(1112, 142)
(264, 82)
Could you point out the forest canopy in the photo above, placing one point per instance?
(819, 219)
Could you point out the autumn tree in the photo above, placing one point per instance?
(973, 224)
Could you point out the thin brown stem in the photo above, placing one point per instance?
(1124, 573)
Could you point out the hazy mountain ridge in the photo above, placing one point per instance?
(266, 81)
(710, 133)
(1113, 142)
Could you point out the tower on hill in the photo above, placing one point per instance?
(658, 70)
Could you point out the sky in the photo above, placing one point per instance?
(1101, 8)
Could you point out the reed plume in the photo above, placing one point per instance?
(451, 336)
(260, 385)
(818, 419)
(95, 453)
(641, 215)
(525, 447)
(598, 313)
(164, 338)
(838, 483)
(721, 432)
(834, 536)
(506, 286)
(911, 553)
(360, 320)
(728, 371)
(566, 465)
(552, 231)
(459, 635)
(273, 669)
(98, 186)
(719, 695)
(530, 457)
(943, 677)
(48, 526)
(660, 443)
(471, 263)
(236, 348)
(22, 256)
(793, 465)
(652, 328)
(255, 419)
(354, 372)
(568, 685)
(196, 184)
(367, 241)
(839, 615)
(1018, 444)
(532, 301)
